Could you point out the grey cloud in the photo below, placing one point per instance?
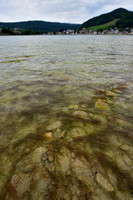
(71, 11)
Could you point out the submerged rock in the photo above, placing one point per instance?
(21, 183)
(29, 168)
(66, 79)
(3, 180)
(117, 91)
(104, 182)
(89, 128)
(64, 160)
(59, 133)
(125, 147)
(54, 126)
(100, 118)
(100, 195)
(100, 104)
(98, 91)
(77, 132)
(109, 93)
(38, 154)
(83, 105)
(80, 114)
(83, 172)
(123, 195)
(108, 101)
(27, 150)
(76, 107)
(123, 162)
(41, 182)
(121, 87)
(50, 158)
(124, 123)
(65, 110)
(48, 136)
(71, 107)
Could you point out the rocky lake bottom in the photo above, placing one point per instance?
(66, 113)
(84, 152)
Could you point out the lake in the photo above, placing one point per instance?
(66, 112)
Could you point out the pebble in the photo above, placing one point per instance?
(38, 154)
(50, 158)
(110, 94)
(59, 134)
(122, 86)
(77, 132)
(71, 107)
(117, 91)
(76, 107)
(104, 182)
(100, 104)
(97, 91)
(44, 157)
(125, 147)
(83, 106)
(90, 115)
(108, 101)
(66, 78)
(27, 150)
(48, 136)
(100, 118)
(65, 110)
(54, 126)
(73, 155)
(68, 173)
(80, 114)
(64, 161)
(28, 168)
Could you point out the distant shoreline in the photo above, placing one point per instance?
(69, 35)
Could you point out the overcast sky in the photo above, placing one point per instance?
(71, 11)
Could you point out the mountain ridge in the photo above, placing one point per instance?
(39, 25)
(125, 19)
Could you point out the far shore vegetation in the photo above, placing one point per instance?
(119, 21)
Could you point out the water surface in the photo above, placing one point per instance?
(54, 95)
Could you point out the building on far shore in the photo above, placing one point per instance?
(17, 31)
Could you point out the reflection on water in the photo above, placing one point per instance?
(65, 117)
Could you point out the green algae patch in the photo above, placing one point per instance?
(77, 132)
(13, 61)
(100, 104)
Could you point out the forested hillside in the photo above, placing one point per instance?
(123, 17)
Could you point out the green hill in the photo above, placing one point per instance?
(120, 17)
(40, 26)
(104, 26)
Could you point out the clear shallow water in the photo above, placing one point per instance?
(33, 64)
(45, 79)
